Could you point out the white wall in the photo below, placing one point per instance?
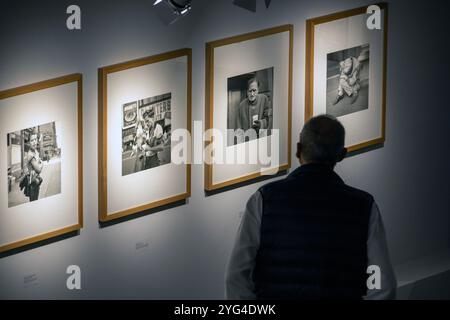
(189, 245)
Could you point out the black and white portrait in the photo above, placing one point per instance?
(146, 133)
(33, 163)
(250, 114)
(348, 81)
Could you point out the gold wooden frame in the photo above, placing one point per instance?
(209, 97)
(102, 133)
(309, 81)
(77, 77)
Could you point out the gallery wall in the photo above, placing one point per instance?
(181, 252)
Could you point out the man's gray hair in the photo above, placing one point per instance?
(322, 140)
(251, 80)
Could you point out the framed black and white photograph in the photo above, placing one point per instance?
(146, 142)
(141, 103)
(346, 74)
(41, 196)
(248, 103)
(250, 97)
(34, 163)
(348, 81)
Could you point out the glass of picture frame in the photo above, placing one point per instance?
(41, 196)
(141, 103)
(248, 104)
(346, 73)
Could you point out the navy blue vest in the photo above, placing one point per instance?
(314, 232)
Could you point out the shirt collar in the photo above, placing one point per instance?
(254, 103)
(316, 168)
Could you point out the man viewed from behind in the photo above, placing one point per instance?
(310, 236)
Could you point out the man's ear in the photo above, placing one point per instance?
(342, 155)
(299, 150)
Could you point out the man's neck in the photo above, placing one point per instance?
(304, 163)
(253, 103)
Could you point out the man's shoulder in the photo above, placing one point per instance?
(275, 185)
(289, 182)
(243, 103)
(358, 193)
(263, 97)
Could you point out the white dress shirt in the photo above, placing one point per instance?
(239, 282)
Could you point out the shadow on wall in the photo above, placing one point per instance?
(432, 288)
(39, 244)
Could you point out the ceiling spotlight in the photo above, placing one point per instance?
(170, 11)
(250, 4)
(246, 4)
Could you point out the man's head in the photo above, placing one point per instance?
(252, 89)
(322, 141)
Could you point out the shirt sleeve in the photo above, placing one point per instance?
(378, 255)
(239, 284)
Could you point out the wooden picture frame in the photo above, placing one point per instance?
(211, 62)
(50, 95)
(366, 140)
(103, 112)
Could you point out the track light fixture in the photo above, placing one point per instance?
(250, 4)
(170, 11)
